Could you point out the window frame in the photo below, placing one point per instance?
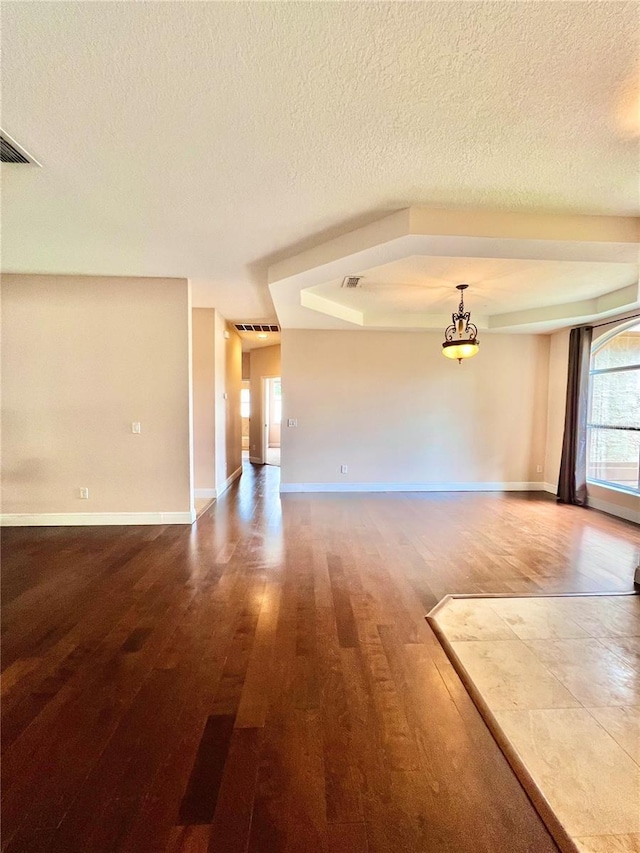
(601, 342)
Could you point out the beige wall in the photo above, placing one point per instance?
(233, 384)
(204, 456)
(220, 402)
(217, 378)
(228, 373)
(388, 405)
(613, 501)
(264, 361)
(83, 357)
(558, 364)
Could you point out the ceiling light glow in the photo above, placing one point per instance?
(461, 337)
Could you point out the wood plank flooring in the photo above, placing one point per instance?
(265, 681)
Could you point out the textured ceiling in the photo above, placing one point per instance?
(207, 140)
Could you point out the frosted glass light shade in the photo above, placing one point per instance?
(460, 349)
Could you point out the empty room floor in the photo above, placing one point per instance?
(266, 680)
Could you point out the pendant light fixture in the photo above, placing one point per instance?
(461, 337)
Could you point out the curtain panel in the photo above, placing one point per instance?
(572, 482)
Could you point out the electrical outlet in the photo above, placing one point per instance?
(84, 493)
(292, 422)
(135, 427)
(539, 469)
(344, 469)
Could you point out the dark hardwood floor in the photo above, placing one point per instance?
(265, 681)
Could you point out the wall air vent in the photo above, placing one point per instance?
(11, 152)
(351, 281)
(256, 327)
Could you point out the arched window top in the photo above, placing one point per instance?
(620, 348)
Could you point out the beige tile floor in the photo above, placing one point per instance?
(561, 676)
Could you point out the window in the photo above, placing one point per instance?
(245, 403)
(613, 453)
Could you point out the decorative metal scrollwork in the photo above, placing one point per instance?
(461, 337)
(461, 324)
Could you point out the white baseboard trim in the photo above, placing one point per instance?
(229, 481)
(614, 509)
(552, 488)
(256, 460)
(83, 519)
(412, 487)
(215, 493)
(205, 493)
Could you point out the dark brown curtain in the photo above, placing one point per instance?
(572, 482)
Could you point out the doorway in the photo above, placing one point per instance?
(272, 417)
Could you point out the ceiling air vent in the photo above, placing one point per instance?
(11, 152)
(351, 281)
(256, 327)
